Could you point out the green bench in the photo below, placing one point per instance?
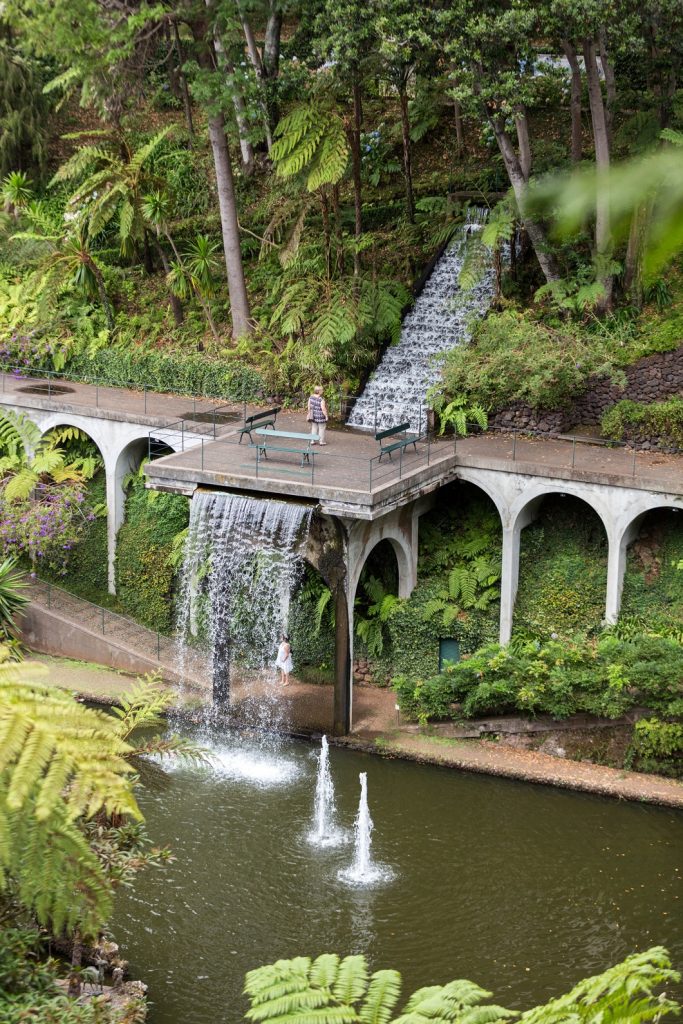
(395, 445)
(258, 419)
(263, 447)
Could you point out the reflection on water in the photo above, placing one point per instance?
(523, 889)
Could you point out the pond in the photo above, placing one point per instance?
(523, 889)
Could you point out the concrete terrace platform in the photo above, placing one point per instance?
(347, 477)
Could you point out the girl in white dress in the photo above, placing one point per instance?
(284, 659)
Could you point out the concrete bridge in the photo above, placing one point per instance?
(360, 500)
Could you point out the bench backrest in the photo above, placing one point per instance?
(390, 431)
(250, 420)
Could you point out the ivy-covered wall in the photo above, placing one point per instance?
(653, 584)
(562, 571)
(144, 575)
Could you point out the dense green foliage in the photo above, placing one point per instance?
(662, 421)
(517, 359)
(557, 678)
(144, 572)
(330, 988)
(653, 583)
(562, 571)
(28, 986)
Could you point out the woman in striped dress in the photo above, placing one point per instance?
(317, 414)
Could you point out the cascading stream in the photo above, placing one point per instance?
(397, 390)
(240, 567)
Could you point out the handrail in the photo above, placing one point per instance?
(36, 583)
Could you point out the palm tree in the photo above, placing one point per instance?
(116, 183)
(12, 598)
(194, 273)
(69, 259)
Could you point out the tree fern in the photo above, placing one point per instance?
(314, 138)
(60, 763)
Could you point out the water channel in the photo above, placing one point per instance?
(523, 889)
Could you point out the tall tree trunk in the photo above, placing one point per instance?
(524, 145)
(271, 44)
(173, 300)
(171, 66)
(147, 253)
(603, 237)
(182, 80)
(610, 83)
(104, 298)
(246, 148)
(356, 165)
(633, 264)
(338, 230)
(407, 164)
(327, 232)
(74, 989)
(459, 130)
(575, 99)
(535, 230)
(252, 48)
(237, 289)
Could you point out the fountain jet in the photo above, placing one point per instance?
(364, 871)
(324, 831)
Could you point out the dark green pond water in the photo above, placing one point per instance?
(523, 889)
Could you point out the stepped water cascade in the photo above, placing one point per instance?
(324, 831)
(240, 567)
(363, 870)
(397, 390)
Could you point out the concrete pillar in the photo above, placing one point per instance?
(509, 572)
(509, 578)
(616, 567)
(115, 505)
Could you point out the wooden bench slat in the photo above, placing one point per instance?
(381, 434)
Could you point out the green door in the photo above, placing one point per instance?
(449, 650)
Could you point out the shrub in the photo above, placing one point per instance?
(192, 374)
(660, 421)
(657, 747)
(606, 678)
(513, 358)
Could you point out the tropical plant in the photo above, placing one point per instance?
(330, 989)
(61, 764)
(374, 606)
(459, 413)
(113, 181)
(12, 598)
(32, 458)
(311, 137)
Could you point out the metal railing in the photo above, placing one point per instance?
(208, 451)
(113, 625)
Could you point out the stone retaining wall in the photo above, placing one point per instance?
(651, 379)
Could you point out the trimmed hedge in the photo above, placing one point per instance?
(190, 375)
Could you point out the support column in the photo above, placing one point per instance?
(616, 568)
(509, 573)
(116, 498)
(343, 656)
(509, 578)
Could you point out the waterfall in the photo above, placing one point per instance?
(240, 566)
(324, 831)
(397, 390)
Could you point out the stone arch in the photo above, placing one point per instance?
(477, 479)
(521, 512)
(625, 531)
(402, 543)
